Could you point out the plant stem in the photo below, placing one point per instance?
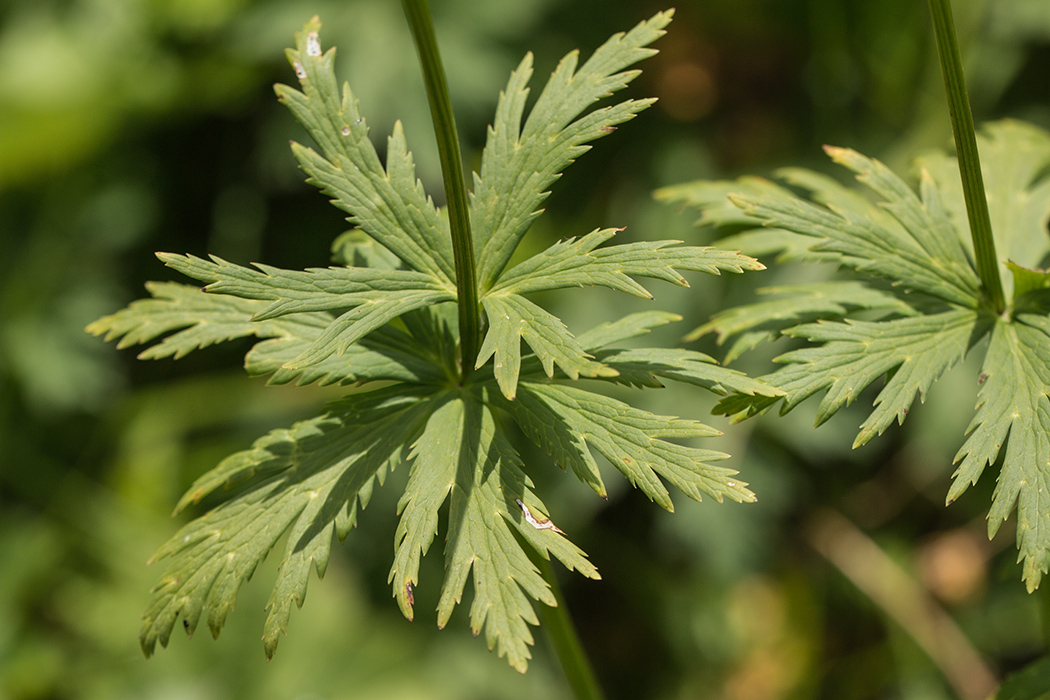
(422, 26)
(966, 148)
(1043, 596)
(562, 635)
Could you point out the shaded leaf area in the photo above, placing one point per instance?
(907, 267)
(567, 421)
(306, 482)
(464, 458)
(387, 313)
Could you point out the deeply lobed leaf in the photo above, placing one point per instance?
(306, 482)
(932, 309)
(463, 457)
(565, 420)
(199, 319)
(521, 162)
(389, 205)
(367, 298)
(383, 315)
(1013, 412)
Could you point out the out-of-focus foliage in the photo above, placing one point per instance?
(157, 129)
(911, 305)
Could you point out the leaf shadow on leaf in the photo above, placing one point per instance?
(348, 487)
(472, 471)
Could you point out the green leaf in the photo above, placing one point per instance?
(389, 205)
(851, 355)
(715, 201)
(1014, 158)
(386, 354)
(630, 326)
(387, 313)
(513, 318)
(644, 367)
(628, 437)
(1013, 412)
(205, 320)
(355, 248)
(932, 309)
(307, 482)
(520, 163)
(712, 199)
(462, 456)
(796, 303)
(894, 251)
(1029, 285)
(300, 291)
(926, 221)
(580, 263)
(373, 297)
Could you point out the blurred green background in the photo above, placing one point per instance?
(131, 126)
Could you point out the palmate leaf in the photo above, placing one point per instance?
(1013, 411)
(577, 263)
(387, 354)
(1014, 157)
(849, 356)
(513, 318)
(764, 321)
(912, 264)
(385, 314)
(518, 164)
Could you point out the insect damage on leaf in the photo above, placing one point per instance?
(538, 523)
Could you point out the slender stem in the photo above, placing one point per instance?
(966, 148)
(418, 14)
(562, 635)
(904, 601)
(1043, 594)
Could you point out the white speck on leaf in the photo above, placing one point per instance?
(313, 44)
(300, 72)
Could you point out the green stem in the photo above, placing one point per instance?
(566, 643)
(966, 148)
(419, 20)
(1043, 596)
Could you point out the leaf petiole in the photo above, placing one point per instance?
(966, 149)
(562, 636)
(422, 26)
